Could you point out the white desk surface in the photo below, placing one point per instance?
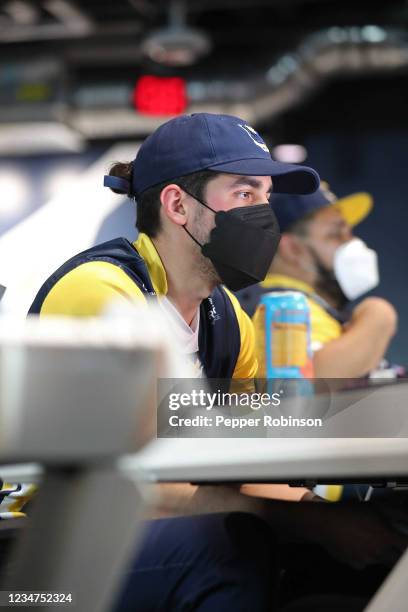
(263, 460)
(377, 417)
(275, 459)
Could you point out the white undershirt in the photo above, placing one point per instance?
(186, 334)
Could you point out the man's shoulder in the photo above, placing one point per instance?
(116, 249)
(92, 277)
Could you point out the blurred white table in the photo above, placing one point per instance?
(293, 460)
(272, 460)
(364, 436)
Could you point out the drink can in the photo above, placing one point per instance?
(282, 328)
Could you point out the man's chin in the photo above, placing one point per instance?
(209, 274)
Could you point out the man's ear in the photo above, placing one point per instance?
(173, 201)
(291, 248)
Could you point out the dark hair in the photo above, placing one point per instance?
(148, 203)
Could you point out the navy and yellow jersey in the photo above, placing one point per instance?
(120, 270)
(326, 324)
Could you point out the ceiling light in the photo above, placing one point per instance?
(290, 153)
(177, 44)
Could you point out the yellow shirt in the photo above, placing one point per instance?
(87, 290)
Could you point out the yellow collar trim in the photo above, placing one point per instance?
(147, 250)
(281, 280)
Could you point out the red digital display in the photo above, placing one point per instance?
(155, 95)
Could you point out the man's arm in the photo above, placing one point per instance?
(362, 345)
(354, 533)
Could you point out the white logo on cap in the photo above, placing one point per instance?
(325, 188)
(254, 136)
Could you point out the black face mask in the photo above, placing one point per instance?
(242, 244)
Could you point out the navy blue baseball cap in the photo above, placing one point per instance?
(291, 208)
(205, 141)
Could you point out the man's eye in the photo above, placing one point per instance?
(244, 195)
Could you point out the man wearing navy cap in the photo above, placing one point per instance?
(319, 256)
(202, 185)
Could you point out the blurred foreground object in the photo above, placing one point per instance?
(74, 396)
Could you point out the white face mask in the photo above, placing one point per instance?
(356, 268)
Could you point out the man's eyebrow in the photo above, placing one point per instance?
(248, 180)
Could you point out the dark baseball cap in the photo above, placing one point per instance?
(205, 141)
(291, 208)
